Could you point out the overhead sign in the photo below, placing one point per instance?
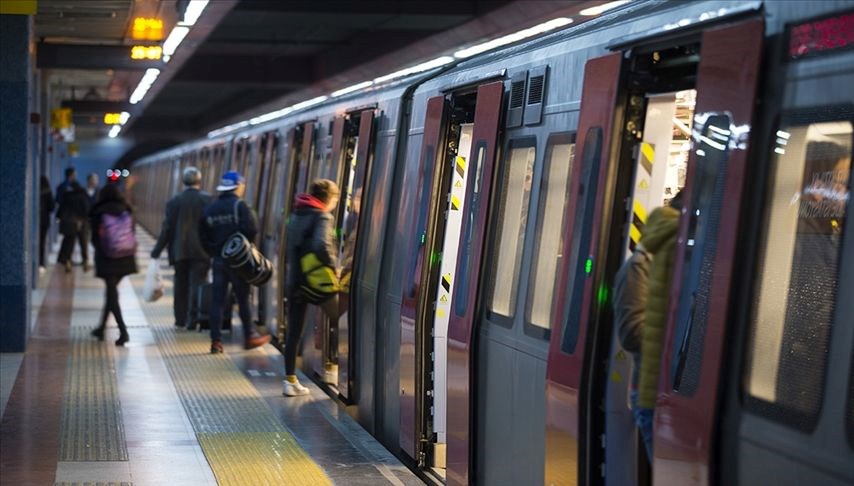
(147, 29)
(18, 7)
(60, 118)
(152, 53)
(112, 118)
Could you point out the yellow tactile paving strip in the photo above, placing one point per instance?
(92, 427)
(242, 439)
(265, 458)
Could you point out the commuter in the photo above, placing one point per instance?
(113, 237)
(46, 205)
(92, 188)
(658, 240)
(227, 215)
(310, 229)
(72, 213)
(70, 176)
(180, 234)
(631, 292)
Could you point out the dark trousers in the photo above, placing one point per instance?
(222, 278)
(67, 247)
(296, 325)
(112, 305)
(42, 240)
(189, 276)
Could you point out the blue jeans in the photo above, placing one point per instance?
(222, 277)
(643, 420)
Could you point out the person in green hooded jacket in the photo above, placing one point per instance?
(641, 295)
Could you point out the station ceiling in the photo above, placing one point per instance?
(243, 55)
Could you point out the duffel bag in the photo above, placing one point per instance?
(246, 260)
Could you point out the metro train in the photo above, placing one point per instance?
(487, 205)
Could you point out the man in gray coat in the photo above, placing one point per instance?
(186, 253)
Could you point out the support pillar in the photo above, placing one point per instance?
(15, 197)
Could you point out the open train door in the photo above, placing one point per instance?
(355, 174)
(461, 330)
(564, 451)
(410, 377)
(688, 396)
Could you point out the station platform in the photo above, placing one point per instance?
(162, 409)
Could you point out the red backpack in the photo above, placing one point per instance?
(117, 235)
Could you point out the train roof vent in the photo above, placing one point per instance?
(536, 95)
(516, 104)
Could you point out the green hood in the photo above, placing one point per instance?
(660, 227)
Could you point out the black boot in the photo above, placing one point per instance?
(98, 333)
(123, 338)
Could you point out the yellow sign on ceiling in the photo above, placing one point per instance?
(112, 118)
(147, 29)
(18, 7)
(146, 52)
(60, 117)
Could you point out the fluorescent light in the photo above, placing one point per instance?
(514, 37)
(193, 12)
(144, 84)
(114, 132)
(424, 66)
(350, 89)
(227, 129)
(593, 11)
(124, 117)
(174, 40)
(284, 111)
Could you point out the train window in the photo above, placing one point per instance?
(512, 220)
(554, 200)
(474, 188)
(798, 272)
(704, 213)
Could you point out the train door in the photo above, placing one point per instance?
(635, 156)
(789, 413)
(357, 151)
(451, 204)
(262, 203)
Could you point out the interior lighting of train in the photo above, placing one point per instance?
(193, 12)
(593, 11)
(418, 68)
(170, 45)
(350, 89)
(514, 37)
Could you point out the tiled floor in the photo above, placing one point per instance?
(158, 420)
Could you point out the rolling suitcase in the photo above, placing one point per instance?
(203, 305)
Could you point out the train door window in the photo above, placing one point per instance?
(513, 202)
(553, 203)
(798, 273)
(272, 201)
(461, 303)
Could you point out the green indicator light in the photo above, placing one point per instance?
(602, 295)
(588, 265)
(435, 258)
(423, 238)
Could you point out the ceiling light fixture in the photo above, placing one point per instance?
(144, 85)
(114, 132)
(170, 45)
(593, 11)
(424, 66)
(350, 89)
(193, 12)
(514, 37)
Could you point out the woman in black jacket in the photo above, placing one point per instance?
(111, 220)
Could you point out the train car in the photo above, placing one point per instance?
(501, 195)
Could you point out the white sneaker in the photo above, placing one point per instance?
(294, 389)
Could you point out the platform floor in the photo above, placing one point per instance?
(162, 410)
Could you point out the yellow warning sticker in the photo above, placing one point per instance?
(443, 298)
(616, 377)
(440, 313)
(458, 184)
(455, 202)
(640, 211)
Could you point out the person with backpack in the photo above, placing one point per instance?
(310, 236)
(228, 215)
(114, 239)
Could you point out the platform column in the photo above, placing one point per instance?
(16, 232)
